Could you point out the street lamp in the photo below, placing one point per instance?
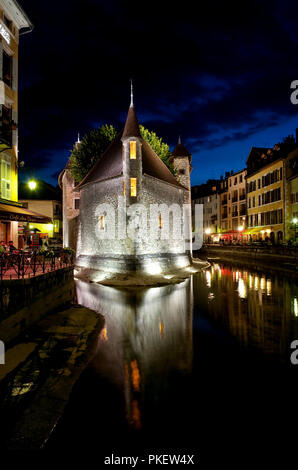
(208, 231)
(240, 228)
(32, 185)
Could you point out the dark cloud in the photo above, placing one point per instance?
(215, 75)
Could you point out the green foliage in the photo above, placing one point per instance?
(160, 148)
(96, 142)
(90, 149)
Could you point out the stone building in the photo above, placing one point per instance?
(70, 206)
(130, 174)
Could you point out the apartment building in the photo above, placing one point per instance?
(266, 185)
(233, 206)
(13, 23)
(208, 195)
(291, 197)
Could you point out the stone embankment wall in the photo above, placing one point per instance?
(24, 301)
(285, 257)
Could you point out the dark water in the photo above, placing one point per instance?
(201, 367)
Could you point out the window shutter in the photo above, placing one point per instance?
(14, 74)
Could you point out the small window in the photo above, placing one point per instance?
(77, 203)
(7, 22)
(101, 222)
(133, 149)
(133, 187)
(123, 187)
(7, 69)
(159, 221)
(235, 181)
(182, 172)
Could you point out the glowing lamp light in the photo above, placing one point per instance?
(32, 185)
(240, 228)
(295, 220)
(208, 231)
(30, 226)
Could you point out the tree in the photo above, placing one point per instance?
(160, 148)
(84, 156)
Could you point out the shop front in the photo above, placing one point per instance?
(15, 223)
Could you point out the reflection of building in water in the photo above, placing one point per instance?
(147, 338)
(257, 309)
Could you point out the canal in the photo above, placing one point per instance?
(201, 367)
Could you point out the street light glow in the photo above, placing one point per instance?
(208, 231)
(32, 184)
(295, 220)
(240, 228)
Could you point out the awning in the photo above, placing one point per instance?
(19, 214)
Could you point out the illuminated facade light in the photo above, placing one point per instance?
(133, 187)
(208, 231)
(240, 228)
(295, 220)
(133, 149)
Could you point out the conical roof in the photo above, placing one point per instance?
(180, 150)
(131, 128)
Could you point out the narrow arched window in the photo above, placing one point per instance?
(133, 149)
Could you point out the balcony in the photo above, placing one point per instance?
(242, 197)
(235, 199)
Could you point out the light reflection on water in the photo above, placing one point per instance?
(185, 357)
(147, 335)
(256, 308)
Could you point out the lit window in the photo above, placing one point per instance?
(133, 186)
(159, 221)
(101, 222)
(133, 149)
(123, 187)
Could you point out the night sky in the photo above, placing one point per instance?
(219, 76)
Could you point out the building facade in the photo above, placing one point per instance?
(13, 22)
(129, 174)
(233, 206)
(208, 195)
(291, 197)
(70, 206)
(44, 199)
(266, 194)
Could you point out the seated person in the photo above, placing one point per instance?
(11, 247)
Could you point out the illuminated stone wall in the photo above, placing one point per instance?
(127, 254)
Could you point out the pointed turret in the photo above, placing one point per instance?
(131, 128)
(181, 159)
(181, 151)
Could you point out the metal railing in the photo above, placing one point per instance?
(20, 265)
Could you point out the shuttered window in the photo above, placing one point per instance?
(5, 179)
